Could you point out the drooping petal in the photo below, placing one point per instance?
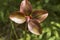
(34, 27)
(40, 15)
(26, 7)
(17, 17)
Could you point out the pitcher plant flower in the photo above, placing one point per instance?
(33, 18)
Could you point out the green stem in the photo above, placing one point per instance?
(14, 29)
(10, 35)
(25, 35)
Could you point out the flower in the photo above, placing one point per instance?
(33, 18)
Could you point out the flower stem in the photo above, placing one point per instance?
(25, 35)
(13, 29)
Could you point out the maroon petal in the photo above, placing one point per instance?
(26, 7)
(40, 15)
(34, 27)
(17, 17)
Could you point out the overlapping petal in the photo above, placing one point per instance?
(26, 7)
(17, 17)
(39, 15)
(34, 27)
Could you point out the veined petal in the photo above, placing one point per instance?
(26, 7)
(17, 17)
(40, 15)
(34, 27)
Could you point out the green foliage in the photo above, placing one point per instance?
(11, 31)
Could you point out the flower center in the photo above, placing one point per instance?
(28, 18)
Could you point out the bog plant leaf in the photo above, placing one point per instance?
(34, 27)
(17, 17)
(26, 7)
(39, 15)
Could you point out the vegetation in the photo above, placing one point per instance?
(50, 27)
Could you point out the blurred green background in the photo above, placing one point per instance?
(13, 31)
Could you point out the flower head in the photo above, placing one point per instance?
(33, 19)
